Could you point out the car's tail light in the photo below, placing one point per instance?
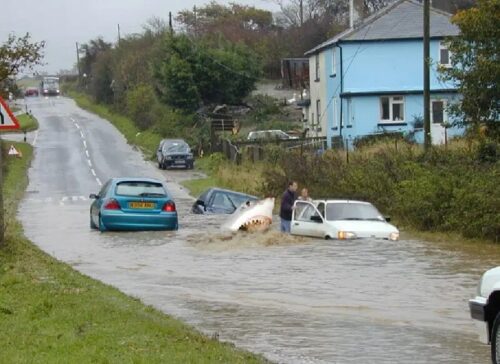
(112, 204)
(169, 207)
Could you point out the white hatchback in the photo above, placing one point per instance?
(340, 219)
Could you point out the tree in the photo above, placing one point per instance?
(476, 65)
(90, 52)
(19, 53)
(190, 73)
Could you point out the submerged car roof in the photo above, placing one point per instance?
(229, 191)
(341, 201)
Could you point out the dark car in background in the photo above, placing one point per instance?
(220, 201)
(31, 91)
(174, 153)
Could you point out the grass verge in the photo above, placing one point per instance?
(147, 140)
(50, 313)
(26, 123)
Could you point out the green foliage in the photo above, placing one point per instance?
(188, 72)
(19, 53)
(139, 101)
(476, 69)
(102, 78)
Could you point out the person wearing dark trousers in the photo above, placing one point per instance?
(286, 209)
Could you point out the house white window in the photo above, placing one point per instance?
(334, 62)
(318, 111)
(317, 67)
(334, 102)
(444, 55)
(438, 112)
(392, 109)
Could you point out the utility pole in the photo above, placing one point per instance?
(119, 37)
(78, 63)
(301, 13)
(170, 27)
(427, 94)
(195, 21)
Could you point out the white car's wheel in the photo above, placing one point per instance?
(495, 340)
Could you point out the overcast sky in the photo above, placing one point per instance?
(61, 23)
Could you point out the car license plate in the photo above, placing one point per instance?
(179, 162)
(142, 205)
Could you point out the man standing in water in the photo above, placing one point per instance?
(286, 208)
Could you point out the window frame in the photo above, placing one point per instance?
(392, 102)
(317, 68)
(445, 113)
(443, 46)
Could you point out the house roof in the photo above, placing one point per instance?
(403, 19)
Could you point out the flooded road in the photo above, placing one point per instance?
(295, 300)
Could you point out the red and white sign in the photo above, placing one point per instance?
(7, 118)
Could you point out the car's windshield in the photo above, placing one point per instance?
(352, 211)
(140, 189)
(176, 147)
(238, 200)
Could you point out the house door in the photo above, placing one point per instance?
(439, 118)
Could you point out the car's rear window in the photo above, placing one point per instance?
(140, 189)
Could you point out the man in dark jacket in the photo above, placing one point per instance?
(286, 209)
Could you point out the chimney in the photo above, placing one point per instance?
(356, 10)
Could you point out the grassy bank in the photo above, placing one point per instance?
(146, 140)
(26, 123)
(49, 313)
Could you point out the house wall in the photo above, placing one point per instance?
(362, 116)
(317, 91)
(388, 66)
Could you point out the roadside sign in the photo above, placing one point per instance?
(7, 118)
(13, 150)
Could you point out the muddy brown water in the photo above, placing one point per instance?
(293, 299)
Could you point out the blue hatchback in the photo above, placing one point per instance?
(133, 204)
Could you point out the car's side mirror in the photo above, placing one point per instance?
(316, 218)
(93, 196)
(388, 218)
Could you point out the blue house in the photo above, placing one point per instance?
(369, 79)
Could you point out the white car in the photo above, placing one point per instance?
(485, 307)
(340, 219)
(270, 135)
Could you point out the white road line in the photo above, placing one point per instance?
(85, 144)
(35, 139)
(77, 126)
(65, 198)
(74, 198)
(89, 162)
(93, 172)
(82, 198)
(81, 133)
(87, 153)
(98, 181)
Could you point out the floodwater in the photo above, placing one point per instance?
(293, 299)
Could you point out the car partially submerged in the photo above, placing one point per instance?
(340, 219)
(220, 201)
(133, 204)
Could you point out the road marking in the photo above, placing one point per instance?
(35, 139)
(98, 181)
(93, 172)
(81, 133)
(87, 153)
(89, 162)
(85, 144)
(74, 198)
(65, 198)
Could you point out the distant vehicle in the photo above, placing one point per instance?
(133, 204)
(50, 86)
(31, 91)
(485, 307)
(220, 201)
(341, 219)
(269, 135)
(174, 153)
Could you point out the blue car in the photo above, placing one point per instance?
(133, 204)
